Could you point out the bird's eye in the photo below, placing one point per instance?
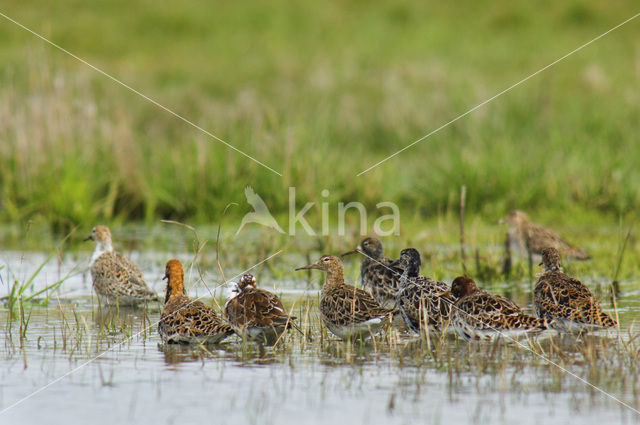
(326, 260)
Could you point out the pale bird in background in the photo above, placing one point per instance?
(260, 214)
(528, 237)
(116, 279)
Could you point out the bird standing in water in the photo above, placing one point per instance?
(566, 302)
(479, 314)
(184, 320)
(256, 313)
(423, 302)
(376, 274)
(345, 310)
(116, 279)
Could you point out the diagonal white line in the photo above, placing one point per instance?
(147, 98)
(61, 377)
(509, 337)
(499, 94)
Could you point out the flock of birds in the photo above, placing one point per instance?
(394, 294)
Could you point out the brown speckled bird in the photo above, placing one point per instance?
(479, 314)
(184, 320)
(526, 236)
(345, 310)
(256, 313)
(116, 279)
(376, 275)
(423, 302)
(564, 301)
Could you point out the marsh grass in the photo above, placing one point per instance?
(22, 295)
(18, 300)
(19, 289)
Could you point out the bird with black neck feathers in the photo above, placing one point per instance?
(376, 273)
(424, 303)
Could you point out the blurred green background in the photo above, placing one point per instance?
(319, 92)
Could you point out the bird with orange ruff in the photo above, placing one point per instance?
(184, 320)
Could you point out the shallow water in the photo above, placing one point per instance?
(79, 364)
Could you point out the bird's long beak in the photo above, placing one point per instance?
(353, 251)
(444, 294)
(309, 267)
(166, 276)
(88, 238)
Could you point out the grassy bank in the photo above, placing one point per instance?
(318, 94)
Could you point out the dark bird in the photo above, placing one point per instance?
(256, 313)
(423, 302)
(376, 275)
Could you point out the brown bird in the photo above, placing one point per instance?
(116, 279)
(526, 237)
(184, 320)
(376, 275)
(479, 314)
(566, 302)
(345, 310)
(423, 302)
(256, 313)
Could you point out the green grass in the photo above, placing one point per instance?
(318, 93)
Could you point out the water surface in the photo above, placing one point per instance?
(79, 364)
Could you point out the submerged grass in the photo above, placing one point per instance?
(19, 288)
(319, 94)
(500, 366)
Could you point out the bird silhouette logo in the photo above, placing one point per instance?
(260, 213)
